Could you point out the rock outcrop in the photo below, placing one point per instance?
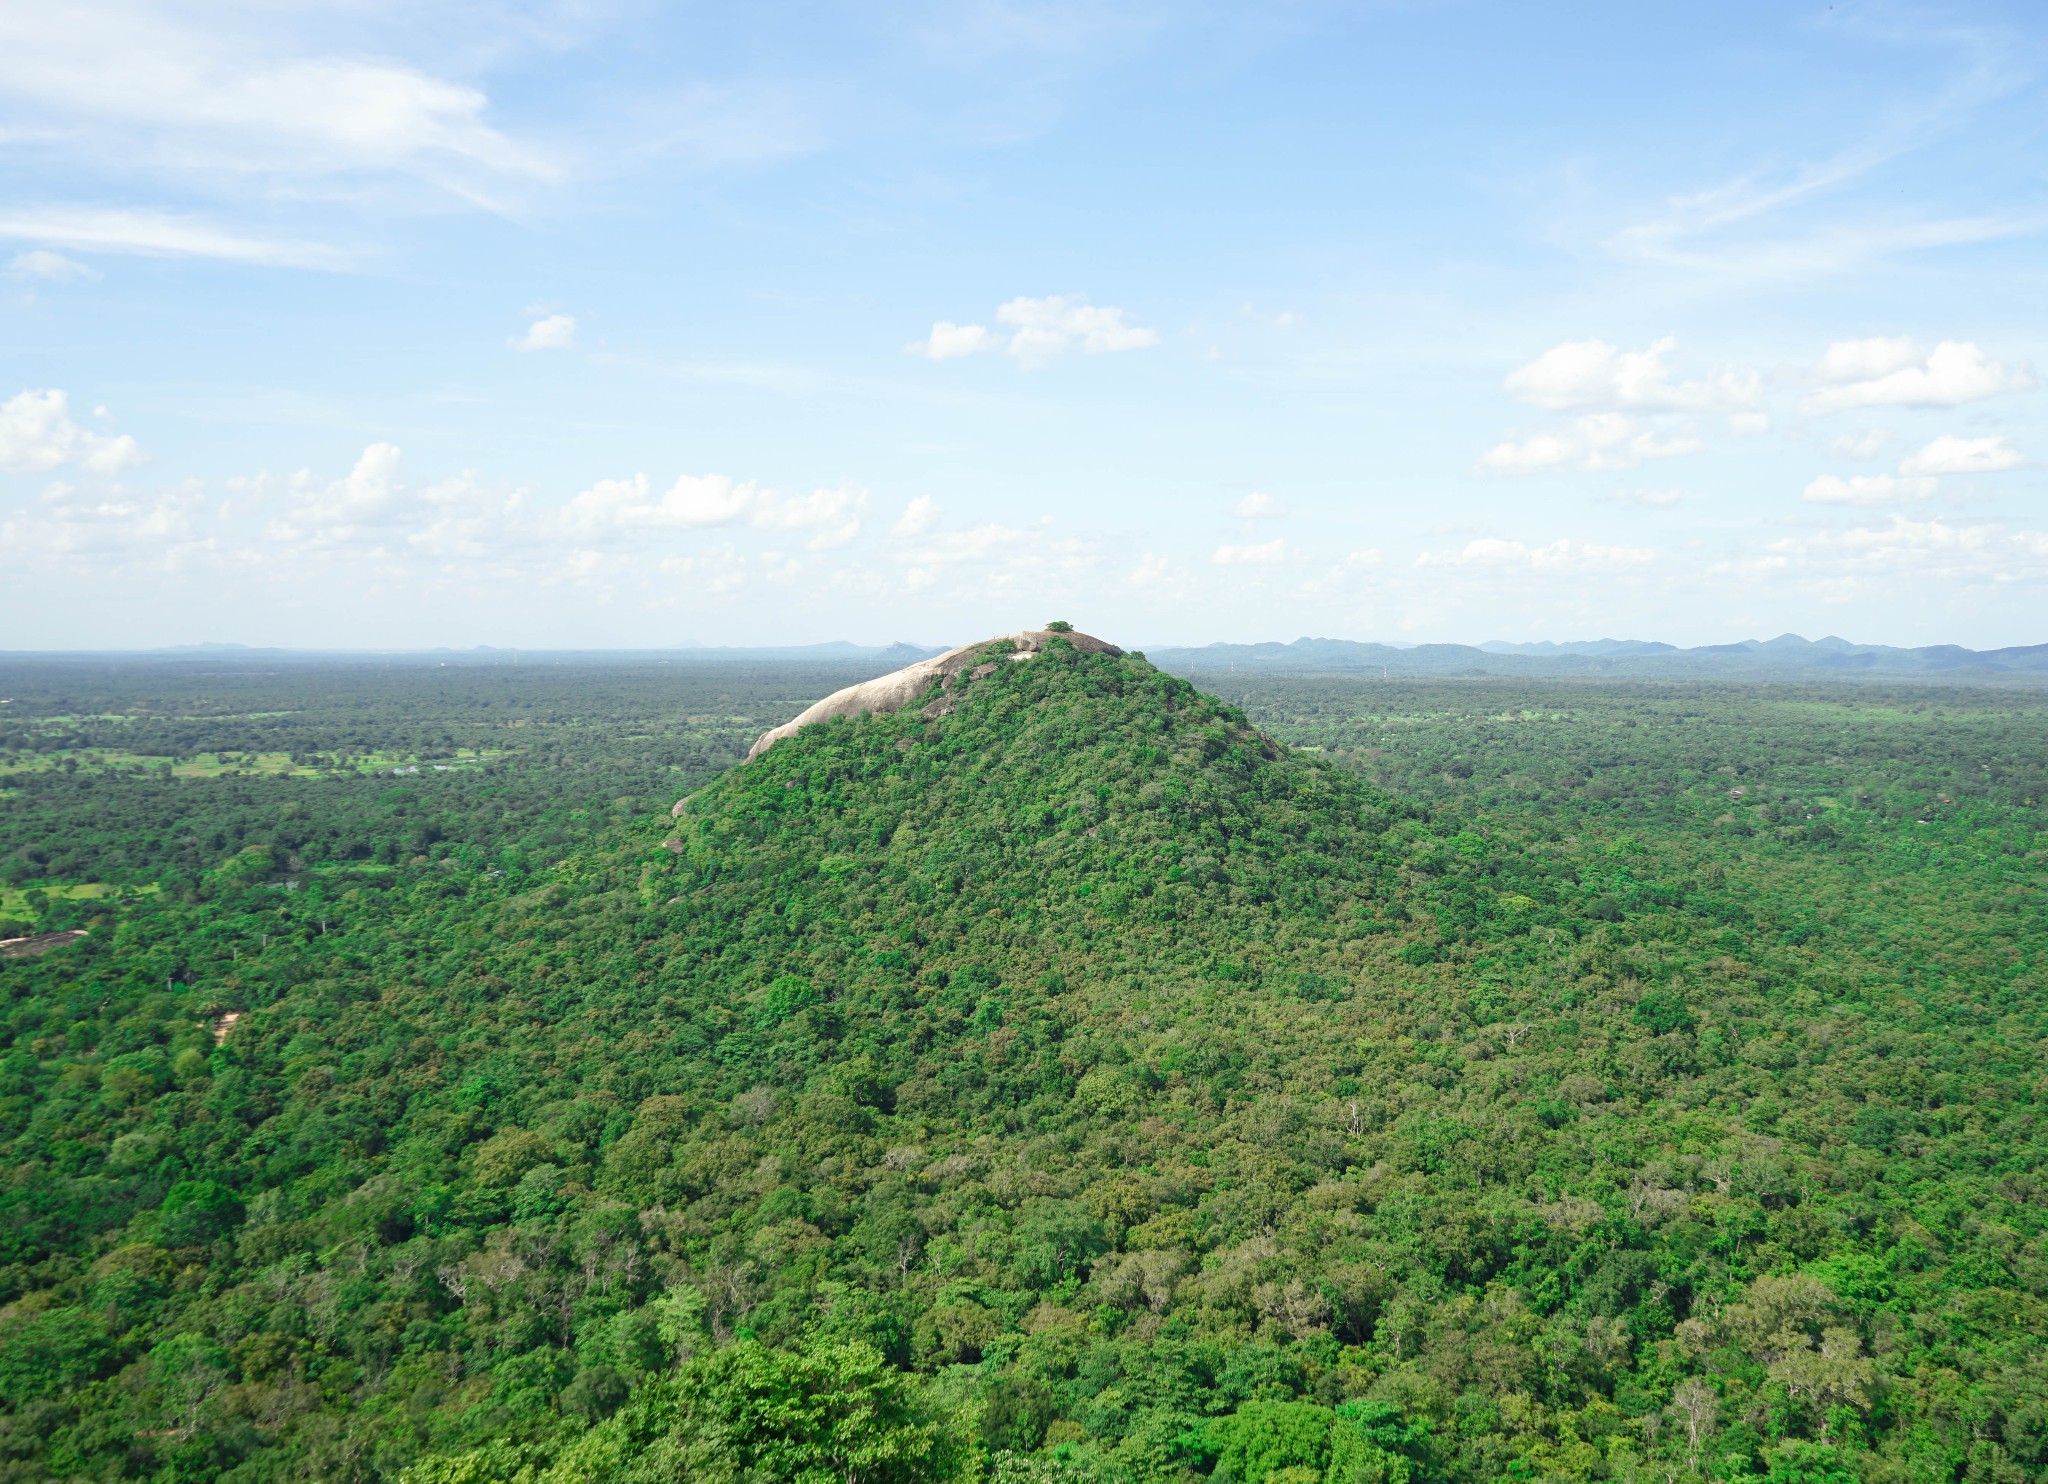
(894, 691)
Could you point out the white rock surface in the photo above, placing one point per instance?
(894, 691)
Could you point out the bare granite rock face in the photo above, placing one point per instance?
(894, 691)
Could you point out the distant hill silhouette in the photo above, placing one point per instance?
(1787, 657)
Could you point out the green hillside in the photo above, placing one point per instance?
(1062, 1081)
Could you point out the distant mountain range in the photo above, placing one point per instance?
(1787, 657)
(839, 652)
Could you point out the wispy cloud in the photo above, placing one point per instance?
(52, 267)
(154, 88)
(156, 234)
(1757, 224)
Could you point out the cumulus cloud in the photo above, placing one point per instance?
(1867, 443)
(70, 522)
(1600, 440)
(998, 558)
(1951, 455)
(1263, 554)
(1662, 499)
(1153, 570)
(1259, 505)
(1561, 555)
(919, 516)
(717, 571)
(1588, 374)
(1866, 489)
(1046, 329)
(831, 516)
(463, 517)
(1899, 373)
(1880, 557)
(38, 435)
(1038, 332)
(549, 332)
(949, 341)
(618, 509)
(343, 511)
(53, 267)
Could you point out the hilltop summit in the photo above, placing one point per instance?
(899, 688)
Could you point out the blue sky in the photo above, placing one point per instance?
(629, 325)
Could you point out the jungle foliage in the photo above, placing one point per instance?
(1068, 1082)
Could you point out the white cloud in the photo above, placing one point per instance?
(1586, 374)
(68, 522)
(832, 516)
(999, 558)
(1561, 555)
(1866, 489)
(1846, 563)
(718, 571)
(1259, 505)
(55, 267)
(1662, 499)
(949, 341)
(461, 517)
(617, 509)
(1906, 539)
(1865, 444)
(1048, 328)
(919, 516)
(1600, 440)
(1153, 570)
(1264, 554)
(549, 332)
(155, 234)
(1899, 373)
(38, 435)
(1951, 455)
(344, 511)
(1040, 332)
(165, 88)
(622, 506)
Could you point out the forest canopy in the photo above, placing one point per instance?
(1082, 1075)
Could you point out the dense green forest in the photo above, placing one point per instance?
(1081, 1078)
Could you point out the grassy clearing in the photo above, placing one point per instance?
(231, 764)
(16, 906)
